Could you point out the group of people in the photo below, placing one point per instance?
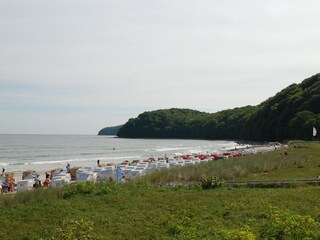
(46, 183)
(7, 183)
(7, 187)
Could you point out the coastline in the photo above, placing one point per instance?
(45, 152)
(239, 150)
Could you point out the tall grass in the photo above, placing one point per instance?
(229, 168)
(133, 211)
(34, 196)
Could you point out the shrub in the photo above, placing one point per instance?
(183, 226)
(287, 226)
(27, 197)
(212, 182)
(239, 234)
(74, 229)
(86, 188)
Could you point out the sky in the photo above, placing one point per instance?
(76, 66)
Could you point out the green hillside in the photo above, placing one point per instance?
(170, 123)
(290, 114)
(110, 130)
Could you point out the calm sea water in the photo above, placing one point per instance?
(45, 152)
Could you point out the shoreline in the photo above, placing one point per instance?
(241, 149)
(45, 152)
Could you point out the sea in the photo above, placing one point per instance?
(45, 152)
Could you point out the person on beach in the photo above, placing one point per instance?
(5, 188)
(46, 182)
(68, 168)
(36, 183)
(10, 182)
(47, 175)
(3, 170)
(98, 162)
(123, 179)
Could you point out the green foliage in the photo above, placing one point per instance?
(285, 225)
(290, 114)
(75, 229)
(182, 226)
(136, 212)
(28, 197)
(212, 182)
(302, 123)
(233, 168)
(86, 188)
(110, 130)
(170, 123)
(238, 234)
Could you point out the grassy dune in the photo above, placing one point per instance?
(139, 210)
(302, 161)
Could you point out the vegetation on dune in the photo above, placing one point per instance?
(260, 165)
(290, 114)
(144, 212)
(141, 210)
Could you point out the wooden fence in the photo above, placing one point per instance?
(274, 182)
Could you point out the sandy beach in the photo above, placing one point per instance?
(145, 167)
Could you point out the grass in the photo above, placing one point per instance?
(139, 210)
(302, 162)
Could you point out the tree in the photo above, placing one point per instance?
(301, 125)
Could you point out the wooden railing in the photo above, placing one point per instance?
(274, 182)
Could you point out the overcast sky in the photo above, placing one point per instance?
(76, 66)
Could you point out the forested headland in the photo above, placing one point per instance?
(290, 114)
(110, 130)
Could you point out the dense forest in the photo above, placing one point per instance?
(290, 114)
(110, 130)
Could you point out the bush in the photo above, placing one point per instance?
(74, 229)
(183, 226)
(239, 234)
(212, 182)
(287, 226)
(86, 188)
